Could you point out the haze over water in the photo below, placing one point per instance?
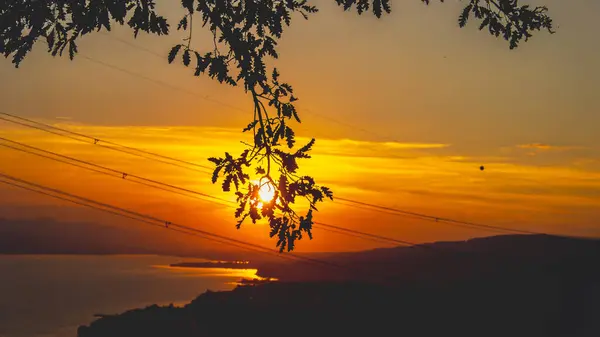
(51, 296)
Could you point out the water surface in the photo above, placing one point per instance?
(52, 295)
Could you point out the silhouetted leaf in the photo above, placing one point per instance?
(250, 126)
(72, 49)
(215, 175)
(289, 137)
(183, 23)
(227, 183)
(464, 16)
(186, 57)
(188, 4)
(174, 51)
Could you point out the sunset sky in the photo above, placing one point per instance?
(405, 110)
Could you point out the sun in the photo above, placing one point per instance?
(266, 192)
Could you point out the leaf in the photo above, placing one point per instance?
(275, 227)
(186, 57)
(217, 161)
(188, 4)
(484, 23)
(377, 8)
(240, 210)
(183, 23)
(283, 189)
(239, 223)
(226, 186)
(289, 137)
(174, 51)
(464, 16)
(72, 49)
(328, 193)
(215, 175)
(306, 148)
(250, 126)
(290, 164)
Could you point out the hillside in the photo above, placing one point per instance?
(475, 258)
(49, 236)
(509, 286)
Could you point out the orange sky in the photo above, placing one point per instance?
(415, 177)
(436, 103)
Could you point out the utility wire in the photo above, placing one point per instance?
(161, 83)
(356, 203)
(108, 174)
(438, 219)
(120, 175)
(319, 225)
(133, 218)
(162, 57)
(407, 213)
(96, 141)
(157, 221)
(141, 217)
(150, 220)
(376, 237)
(98, 168)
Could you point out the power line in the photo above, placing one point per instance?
(120, 174)
(353, 203)
(404, 215)
(96, 141)
(332, 228)
(157, 221)
(367, 235)
(319, 225)
(438, 219)
(161, 83)
(355, 234)
(162, 57)
(427, 217)
(331, 119)
(148, 219)
(98, 168)
(131, 217)
(108, 174)
(407, 213)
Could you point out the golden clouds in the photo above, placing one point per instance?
(419, 177)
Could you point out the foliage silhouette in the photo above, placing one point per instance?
(246, 34)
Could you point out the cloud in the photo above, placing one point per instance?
(392, 145)
(546, 147)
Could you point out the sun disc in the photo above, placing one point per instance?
(266, 192)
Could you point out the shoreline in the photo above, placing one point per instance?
(227, 265)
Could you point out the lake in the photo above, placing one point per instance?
(51, 295)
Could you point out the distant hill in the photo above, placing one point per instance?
(529, 286)
(481, 257)
(48, 236)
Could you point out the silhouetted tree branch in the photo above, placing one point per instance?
(249, 31)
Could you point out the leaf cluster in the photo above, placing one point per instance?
(277, 157)
(507, 19)
(62, 22)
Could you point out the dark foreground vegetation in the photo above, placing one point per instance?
(505, 286)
